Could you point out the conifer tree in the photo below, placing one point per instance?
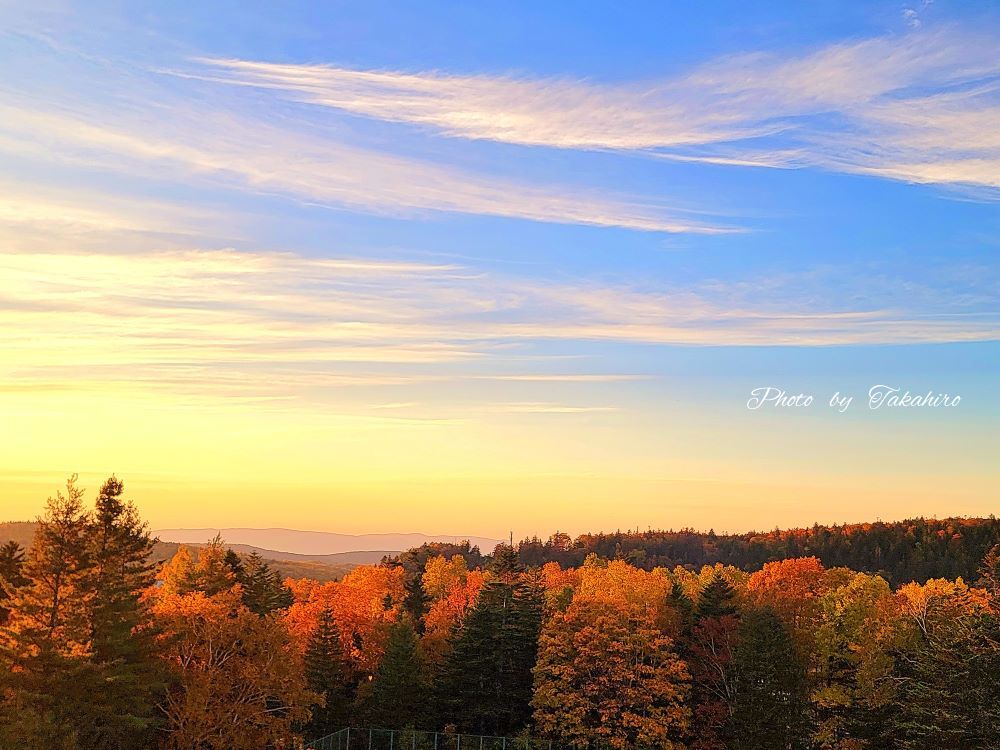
(212, 574)
(505, 565)
(122, 644)
(11, 574)
(949, 683)
(681, 603)
(233, 562)
(488, 677)
(989, 572)
(326, 675)
(718, 599)
(263, 590)
(81, 671)
(416, 601)
(398, 692)
(770, 697)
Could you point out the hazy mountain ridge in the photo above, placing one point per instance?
(318, 543)
(290, 565)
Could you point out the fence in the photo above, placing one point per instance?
(355, 738)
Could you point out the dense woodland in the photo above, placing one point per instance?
(602, 642)
(914, 550)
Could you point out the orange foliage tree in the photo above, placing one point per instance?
(607, 671)
(363, 604)
(238, 679)
(608, 675)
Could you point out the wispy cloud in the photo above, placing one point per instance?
(532, 407)
(311, 165)
(279, 325)
(861, 106)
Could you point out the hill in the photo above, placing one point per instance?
(318, 567)
(318, 542)
(916, 549)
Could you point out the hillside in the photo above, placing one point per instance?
(318, 567)
(912, 550)
(318, 543)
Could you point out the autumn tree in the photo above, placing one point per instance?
(239, 683)
(708, 647)
(208, 571)
(853, 687)
(608, 676)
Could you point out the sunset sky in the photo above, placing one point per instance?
(474, 268)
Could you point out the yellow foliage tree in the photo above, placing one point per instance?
(239, 681)
(608, 675)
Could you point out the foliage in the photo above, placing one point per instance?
(608, 676)
(610, 652)
(913, 550)
(239, 683)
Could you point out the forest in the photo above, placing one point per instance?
(608, 641)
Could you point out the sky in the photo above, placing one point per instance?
(484, 268)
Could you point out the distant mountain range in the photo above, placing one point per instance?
(320, 555)
(316, 543)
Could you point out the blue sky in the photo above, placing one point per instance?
(444, 227)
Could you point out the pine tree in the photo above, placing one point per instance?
(416, 601)
(263, 590)
(212, 574)
(11, 574)
(234, 563)
(398, 691)
(506, 565)
(487, 683)
(949, 685)
(770, 696)
(46, 641)
(121, 641)
(326, 675)
(681, 603)
(989, 572)
(718, 599)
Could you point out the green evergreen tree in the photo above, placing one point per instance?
(681, 603)
(717, 599)
(263, 590)
(234, 562)
(948, 687)
(46, 640)
(487, 682)
(505, 563)
(11, 574)
(989, 572)
(326, 674)
(770, 693)
(416, 602)
(122, 647)
(398, 696)
(84, 671)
